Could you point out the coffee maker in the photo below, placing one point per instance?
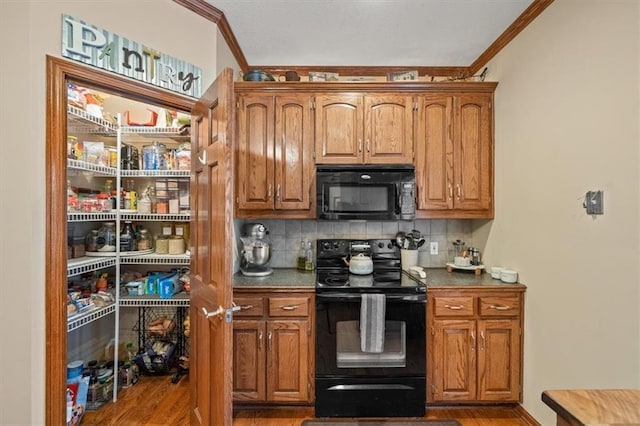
(256, 250)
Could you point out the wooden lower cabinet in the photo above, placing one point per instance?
(474, 341)
(273, 348)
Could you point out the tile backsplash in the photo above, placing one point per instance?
(285, 235)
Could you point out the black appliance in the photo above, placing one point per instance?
(366, 192)
(351, 382)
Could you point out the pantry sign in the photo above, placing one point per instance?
(91, 45)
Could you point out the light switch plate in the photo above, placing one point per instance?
(594, 202)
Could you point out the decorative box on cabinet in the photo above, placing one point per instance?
(275, 170)
(475, 346)
(454, 155)
(369, 129)
(272, 341)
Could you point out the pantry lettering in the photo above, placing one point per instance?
(91, 45)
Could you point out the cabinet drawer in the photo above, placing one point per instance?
(289, 306)
(249, 306)
(454, 306)
(503, 306)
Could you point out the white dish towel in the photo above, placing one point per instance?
(372, 317)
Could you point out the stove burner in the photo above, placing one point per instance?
(336, 279)
(345, 279)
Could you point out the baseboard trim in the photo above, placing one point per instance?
(526, 416)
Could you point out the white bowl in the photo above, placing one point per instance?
(509, 276)
(495, 271)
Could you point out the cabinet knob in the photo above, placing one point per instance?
(359, 145)
(473, 341)
(289, 307)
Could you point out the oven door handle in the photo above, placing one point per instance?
(420, 298)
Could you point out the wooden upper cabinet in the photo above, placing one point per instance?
(370, 129)
(255, 171)
(294, 167)
(388, 129)
(275, 154)
(434, 153)
(473, 143)
(339, 129)
(454, 156)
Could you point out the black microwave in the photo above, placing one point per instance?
(366, 192)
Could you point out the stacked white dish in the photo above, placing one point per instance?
(505, 275)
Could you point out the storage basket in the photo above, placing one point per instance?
(158, 356)
(99, 393)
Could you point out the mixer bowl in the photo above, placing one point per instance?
(260, 254)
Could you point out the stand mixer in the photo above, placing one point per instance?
(256, 250)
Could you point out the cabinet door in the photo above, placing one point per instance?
(339, 129)
(388, 129)
(288, 378)
(255, 174)
(474, 152)
(249, 360)
(454, 358)
(499, 360)
(434, 153)
(294, 166)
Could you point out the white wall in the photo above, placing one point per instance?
(29, 30)
(567, 121)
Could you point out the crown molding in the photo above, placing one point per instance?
(206, 10)
(510, 33)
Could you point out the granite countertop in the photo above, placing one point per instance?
(291, 278)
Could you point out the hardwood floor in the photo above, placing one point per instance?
(155, 401)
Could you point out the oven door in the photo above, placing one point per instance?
(339, 336)
(350, 382)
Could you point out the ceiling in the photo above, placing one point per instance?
(371, 33)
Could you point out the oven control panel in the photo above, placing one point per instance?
(328, 248)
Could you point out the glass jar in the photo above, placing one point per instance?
(128, 237)
(162, 245)
(107, 237)
(91, 241)
(153, 156)
(144, 240)
(176, 245)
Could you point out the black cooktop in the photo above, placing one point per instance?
(332, 270)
